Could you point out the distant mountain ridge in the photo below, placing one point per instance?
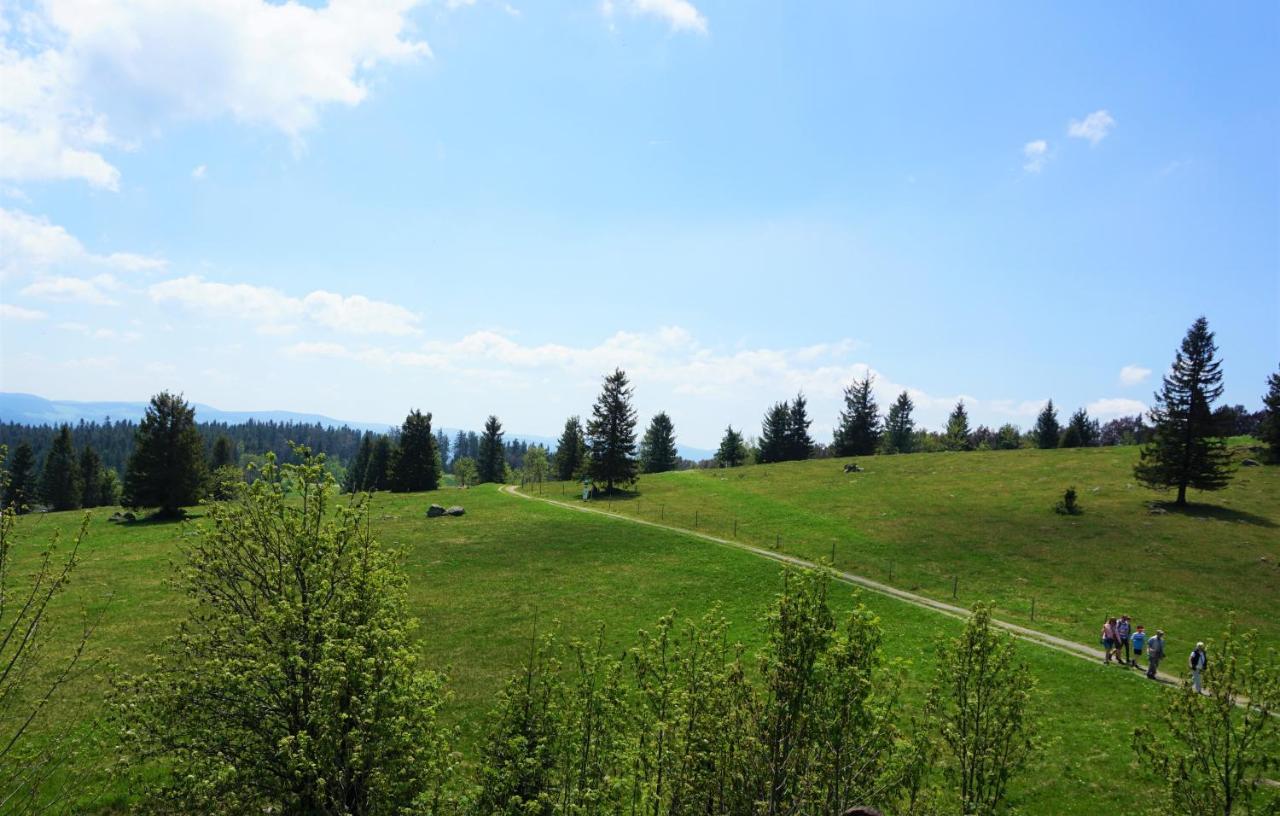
(30, 409)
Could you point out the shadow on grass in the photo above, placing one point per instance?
(1217, 513)
(157, 519)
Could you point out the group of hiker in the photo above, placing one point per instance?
(1125, 643)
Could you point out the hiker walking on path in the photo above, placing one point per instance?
(1197, 663)
(1109, 640)
(1139, 641)
(1123, 629)
(1155, 653)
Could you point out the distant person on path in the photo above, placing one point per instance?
(1197, 663)
(1109, 640)
(1155, 653)
(1139, 640)
(1123, 629)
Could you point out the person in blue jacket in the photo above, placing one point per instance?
(1138, 641)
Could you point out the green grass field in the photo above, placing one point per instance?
(478, 583)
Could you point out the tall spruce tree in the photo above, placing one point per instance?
(22, 488)
(60, 485)
(359, 468)
(775, 433)
(858, 431)
(1047, 430)
(1081, 432)
(733, 451)
(442, 449)
(416, 463)
(378, 475)
(799, 443)
(957, 436)
(90, 478)
(571, 450)
(611, 434)
(1269, 428)
(223, 453)
(899, 427)
(166, 469)
(492, 464)
(1186, 448)
(658, 447)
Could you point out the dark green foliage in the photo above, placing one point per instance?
(571, 450)
(1068, 505)
(799, 443)
(774, 434)
(60, 485)
(223, 454)
(957, 436)
(443, 448)
(858, 432)
(358, 468)
(167, 468)
(658, 447)
(91, 475)
(417, 466)
(899, 427)
(611, 434)
(294, 685)
(732, 451)
(1008, 437)
(1081, 432)
(378, 475)
(1047, 429)
(1186, 449)
(492, 463)
(21, 488)
(1269, 429)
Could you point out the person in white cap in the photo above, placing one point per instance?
(1197, 663)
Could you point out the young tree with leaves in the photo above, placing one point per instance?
(21, 487)
(417, 465)
(658, 452)
(1186, 448)
(295, 683)
(571, 450)
(492, 464)
(957, 435)
(1047, 430)
(799, 443)
(465, 471)
(60, 484)
(536, 466)
(1269, 429)
(611, 434)
(732, 451)
(899, 427)
(166, 469)
(858, 431)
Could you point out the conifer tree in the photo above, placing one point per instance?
(1047, 430)
(858, 431)
(611, 434)
(223, 454)
(799, 443)
(1081, 432)
(571, 450)
(416, 464)
(1008, 437)
(22, 488)
(775, 433)
(1186, 448)
(378, 475)
(658, 447)
(460, 448)
(957, 436)
(732, 450)
(899, 427)
(359, 469)
(1269, 429)
(60, 485)
(166, 469)
(90, 478)
(492, 464)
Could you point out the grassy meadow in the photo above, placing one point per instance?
(480, 584)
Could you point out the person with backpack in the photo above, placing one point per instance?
(1123, 630)
(1139, 640)
(1197, 663)
(1155, 653)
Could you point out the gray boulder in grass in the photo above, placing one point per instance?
(454, 511)
(435, 511)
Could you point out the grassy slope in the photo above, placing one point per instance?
(476, 583)
(984, 520)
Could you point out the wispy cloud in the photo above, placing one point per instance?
(33, 245)
(1111, 407)
(95, 290)
(1134, 374)
(679, 15)
(1035, 154)
(1093, 127)
(10, 312)
(198, 172)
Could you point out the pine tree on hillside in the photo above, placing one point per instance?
(378, 475)
(442, 449)
(1047, 430)
(775, 432)
(166, 469)
(90, 478)
(492, 464)
(60, 485)
(799, 443)
(460, 449)
(359, 467)
(1186, 449)
(899, 427)
(571, 450)
(1269, 429)
(416, 463)
(1081, 432)
(732, 450)
(957, 436)
(658, 447)
(21, 491)
(611, 434)
(858, 431)
(223, 454)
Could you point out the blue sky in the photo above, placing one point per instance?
(482, 207)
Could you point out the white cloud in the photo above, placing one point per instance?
(76, 73)
(679, 15)
(1093, 127)
(1134, 374)
(85, 290)
(10, 312)
(1036, 154)
(109, 335)
(32, 246)
(276, 312)
(198, 172)
(1115, 407)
